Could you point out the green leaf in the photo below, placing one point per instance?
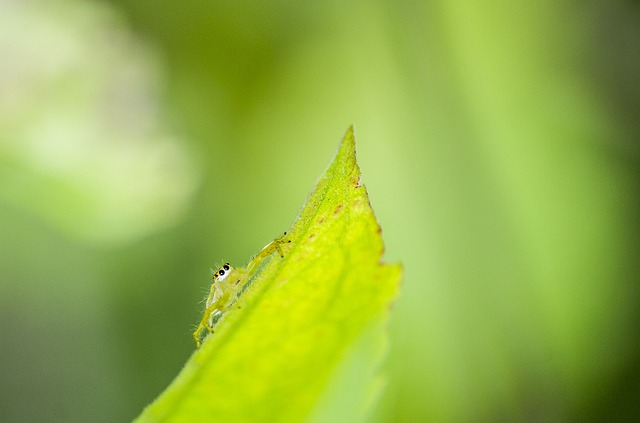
(310, 334)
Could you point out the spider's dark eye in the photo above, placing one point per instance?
(226, 267)
(221, 272)
(215, 276)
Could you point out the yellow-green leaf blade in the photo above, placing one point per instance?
(271, 360)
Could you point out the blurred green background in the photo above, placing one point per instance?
(142, 142)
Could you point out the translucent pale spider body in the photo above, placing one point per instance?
(228, 283)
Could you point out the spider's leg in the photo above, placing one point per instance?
(270, 248)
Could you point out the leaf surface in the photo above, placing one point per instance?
(273, 359)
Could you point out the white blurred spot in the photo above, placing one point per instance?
(83, 144)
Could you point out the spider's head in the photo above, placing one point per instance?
(222, 273)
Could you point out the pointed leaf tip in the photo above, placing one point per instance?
(273, 359)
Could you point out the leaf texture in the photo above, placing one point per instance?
(273, 359)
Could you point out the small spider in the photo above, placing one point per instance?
(228, 284)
